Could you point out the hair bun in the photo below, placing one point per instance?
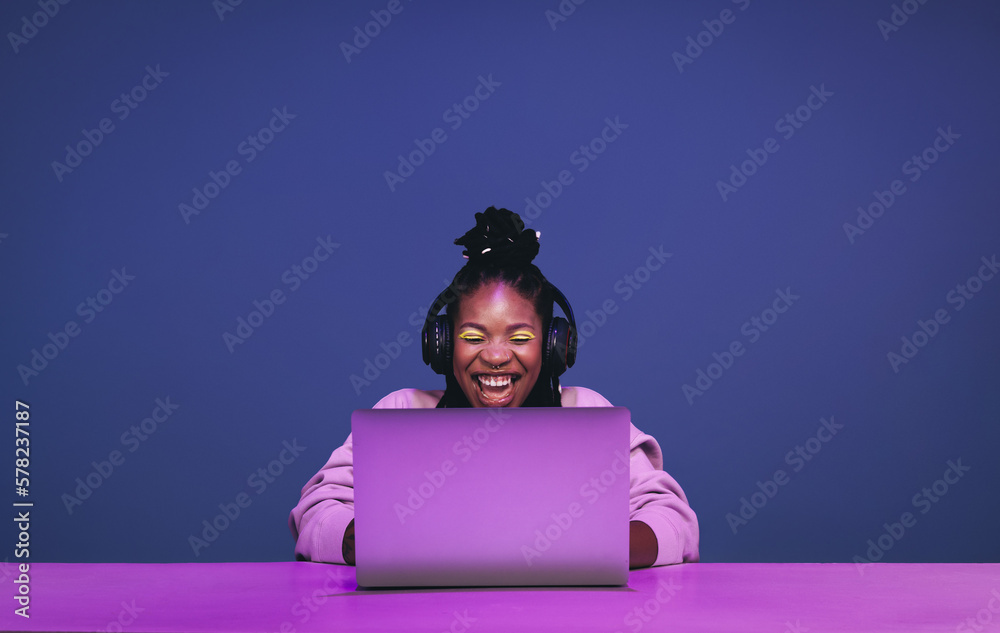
(499, 238)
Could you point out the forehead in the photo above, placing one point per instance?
(497, 303)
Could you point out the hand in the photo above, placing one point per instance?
(348, 546)
(642, 546)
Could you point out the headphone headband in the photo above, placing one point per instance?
(561, 301)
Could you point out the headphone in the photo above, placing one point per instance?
(558, 351)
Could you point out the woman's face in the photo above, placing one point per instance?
(498, 346)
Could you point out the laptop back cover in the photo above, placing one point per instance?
(491, 497)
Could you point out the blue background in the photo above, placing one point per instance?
(323, 175)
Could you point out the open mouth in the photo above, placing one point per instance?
(496, 390)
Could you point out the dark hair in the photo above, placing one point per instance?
(500, 250)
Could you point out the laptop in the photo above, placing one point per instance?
(491, 497)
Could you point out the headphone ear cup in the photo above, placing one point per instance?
(560, 347)
(570, 345)
(437, 344)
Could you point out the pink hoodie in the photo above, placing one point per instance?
(321, 517)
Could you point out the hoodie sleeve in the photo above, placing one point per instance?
(326, 507)
(655, 498)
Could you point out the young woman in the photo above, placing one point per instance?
(499, 345)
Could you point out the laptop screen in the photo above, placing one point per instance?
(491, 497)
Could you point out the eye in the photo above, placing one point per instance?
(471, 337)
(522, 337)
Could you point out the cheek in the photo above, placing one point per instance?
(460, 355)
(531, 358)
(463, 356)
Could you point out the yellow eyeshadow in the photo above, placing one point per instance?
(470, 335)
(526, 335)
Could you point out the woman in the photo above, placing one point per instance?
(499, 345)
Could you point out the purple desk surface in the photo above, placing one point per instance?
(777, 598)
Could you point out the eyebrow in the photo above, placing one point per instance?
(510, 328)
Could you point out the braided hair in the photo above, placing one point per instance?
(500, 250)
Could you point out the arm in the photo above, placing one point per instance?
(656, 500)
(321, 519)
(663, 529)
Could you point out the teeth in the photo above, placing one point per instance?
(494, 381)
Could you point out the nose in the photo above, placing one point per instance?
(495, 355)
